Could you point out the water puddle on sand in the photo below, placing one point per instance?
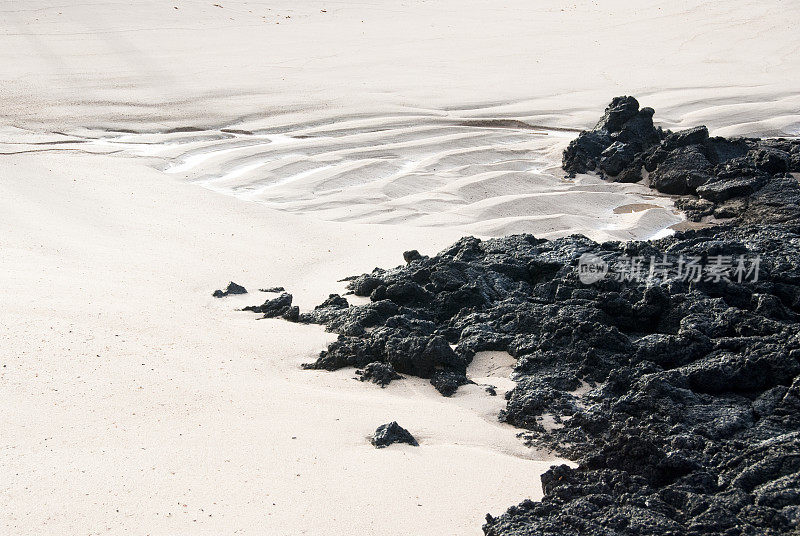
(631, 208)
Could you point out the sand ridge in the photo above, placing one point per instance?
(487, 177)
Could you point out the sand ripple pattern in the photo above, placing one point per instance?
(490, 176)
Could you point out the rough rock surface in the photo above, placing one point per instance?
(678, 396)
(379, 373)
(233, 288)
(690, 162)
(447, 382)
(687, 422)
(272, 289)
(411, 255)
(615, 144)
(389, 433)
(277, 307)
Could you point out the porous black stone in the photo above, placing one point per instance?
(389, 433)
(379, 373)
(411, 256)
(447, 382)
(280, 306)
(688, 162)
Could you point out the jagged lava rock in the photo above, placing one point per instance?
(277, 307)
(684, 383)
(689, 162)
(379, 373)
(390, 433)
(447, 382)
(613, 145)
(678, 399)
(233, 288)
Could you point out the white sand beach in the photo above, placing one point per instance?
(150, 152)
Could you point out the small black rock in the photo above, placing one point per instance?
(389, 433)
(233, 288)
(411, 256)
(447, 382)
(280, 306)
(378, 373)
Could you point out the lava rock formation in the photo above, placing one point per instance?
(379, 373)
(721, 174)
(678, 397)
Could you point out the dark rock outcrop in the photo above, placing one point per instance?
(379, 373)
(615, 144)
(447, 382)
(389, 433)
(676, 392)
(232, 288)
(411, 256)
(277, 307)
(677, 396)
(689, 162)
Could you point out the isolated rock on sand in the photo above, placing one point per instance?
(379, 373)
(233, 288)
(389, 433)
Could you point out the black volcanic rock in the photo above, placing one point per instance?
(379, 373)
(411, 256)
(678, 397)
(778, 201)
(389, 433)
(365, 284)
(233, 288)
(689, 162)
(447, 382)
(280, 306)
(422, 355)
(613, 145)
(682, 171)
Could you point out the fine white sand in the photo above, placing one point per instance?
(329, 138)
(138, 403)
(145, 65)
(487, 179)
